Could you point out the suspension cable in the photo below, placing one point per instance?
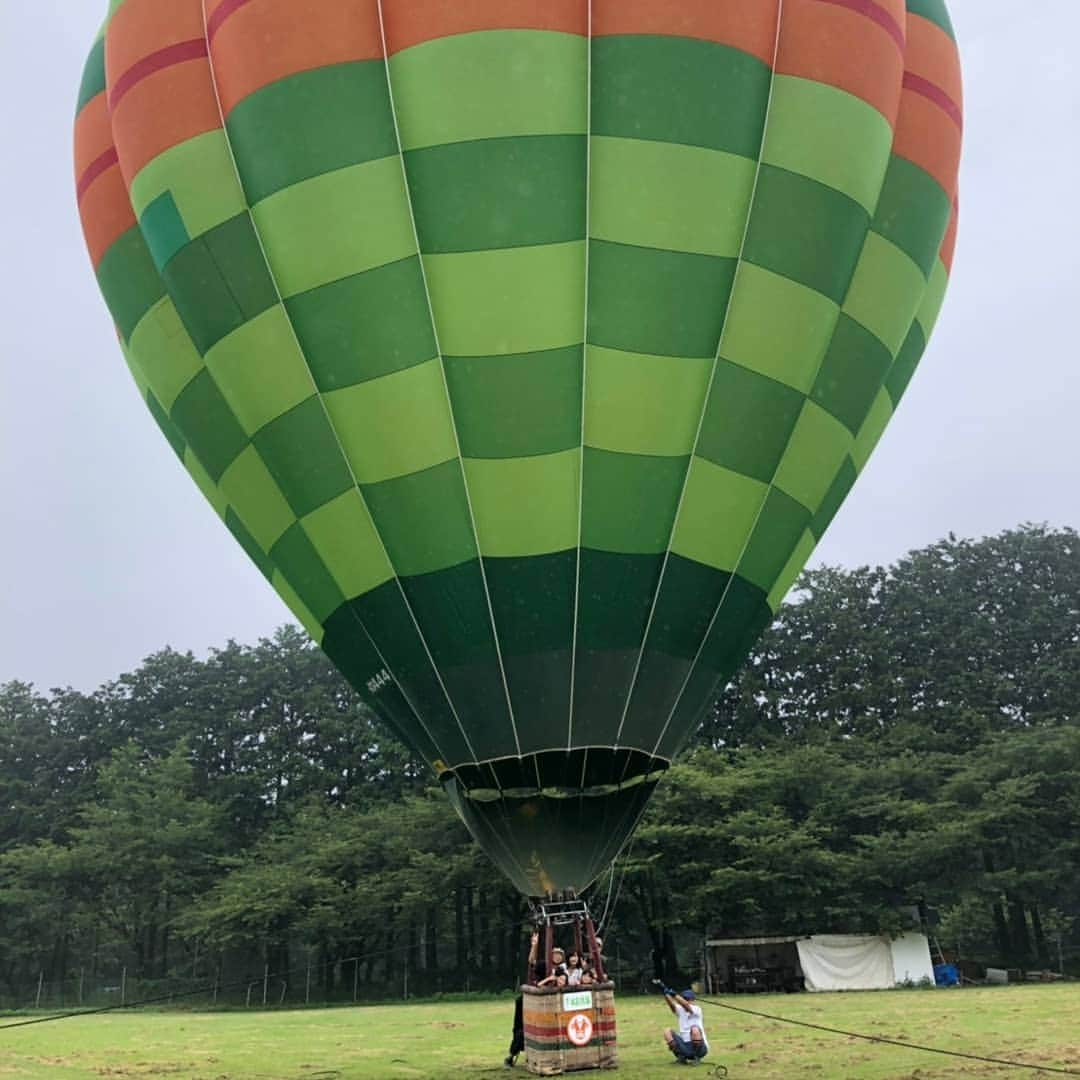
(891, 1042)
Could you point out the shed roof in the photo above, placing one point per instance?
(734, 943)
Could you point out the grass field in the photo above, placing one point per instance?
(1037, 1025)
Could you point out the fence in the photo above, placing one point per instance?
(264, 988)
(306, 982)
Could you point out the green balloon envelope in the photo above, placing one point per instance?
(527, 348)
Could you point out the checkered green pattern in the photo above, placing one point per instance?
(530, 368)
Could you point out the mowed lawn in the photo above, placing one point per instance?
(1037, 1025)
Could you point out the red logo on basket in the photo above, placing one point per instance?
(579, 1030)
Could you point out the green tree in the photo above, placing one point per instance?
(952, 645)
(41, 764)
(145, 848)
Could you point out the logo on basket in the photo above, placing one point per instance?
(579, 1030)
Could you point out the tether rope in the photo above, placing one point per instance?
(891, 1042)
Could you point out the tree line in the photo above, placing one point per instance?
(902, 735)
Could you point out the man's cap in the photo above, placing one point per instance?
(688, 995)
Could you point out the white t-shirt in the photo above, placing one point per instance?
(688, 1020)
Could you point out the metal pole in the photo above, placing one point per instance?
(594, 950)
(82, 976)
(356, 979)
(217, 980)
(247, 1004)
(307, 981)
(40, 984)
(123, 987)
(266, 982)
(406, 993)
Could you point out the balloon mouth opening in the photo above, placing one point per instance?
(593, 772)
(554, 819)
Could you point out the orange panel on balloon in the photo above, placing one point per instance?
(260, 41)
(928, 136)
(106, 213)
(750, 28)
(167, 108)
(411, 22)
(836, 44)
(142, 27)
(93, 134)
(933, 56)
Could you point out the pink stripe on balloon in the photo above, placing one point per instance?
(918, 85)
(879, 15)
(170, 56)
(96, 167)
(221, 13)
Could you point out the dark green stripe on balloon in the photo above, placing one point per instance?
(913, 212)
(851, 373)
(533, 602)
(385, 611)
(671, 89)
(906, 362)
(776, 534)
(633, 291)
(741, 618)
(688, 596)
(129, 281)
(168, 428)
(365, 325)
(451, 607)
(805, 231)
(219, 281)
(609, 636)
(208, 424)
(834, 497)
(423, 518)
(304, 114)
(631, 500)
(736, 438)
(516, 405)
(93, 80)
(935, 11)
(301, 451)
(498, 193)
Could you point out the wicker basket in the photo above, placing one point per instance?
(569, 1030)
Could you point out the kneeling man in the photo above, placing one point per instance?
(688, 1044)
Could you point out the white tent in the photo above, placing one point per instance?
(863, 962)
(818, 962)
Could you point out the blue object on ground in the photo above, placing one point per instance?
(946, 975)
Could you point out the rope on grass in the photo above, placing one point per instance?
(893, 1042)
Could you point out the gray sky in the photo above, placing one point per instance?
(109, 552)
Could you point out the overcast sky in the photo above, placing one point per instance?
(109, 552)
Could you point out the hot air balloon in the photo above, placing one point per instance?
(528, 347)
